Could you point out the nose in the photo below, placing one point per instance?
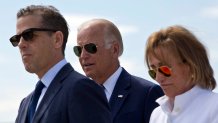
(159, 77)
(84, 53)
(22, 43)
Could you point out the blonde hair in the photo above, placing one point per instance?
(182, 43)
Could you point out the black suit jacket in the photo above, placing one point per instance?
(70, 98)
(133, 99)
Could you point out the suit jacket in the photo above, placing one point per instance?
(70, 98)
(133, 99)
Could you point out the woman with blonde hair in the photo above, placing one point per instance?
(178, 61)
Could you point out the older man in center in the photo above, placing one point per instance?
(131, 98)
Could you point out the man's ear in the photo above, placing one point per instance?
(115, 48)
(59, 39)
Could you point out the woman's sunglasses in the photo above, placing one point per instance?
(166, 71)
(90, 48)
(27, 35)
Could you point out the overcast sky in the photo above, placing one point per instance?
(136, 21)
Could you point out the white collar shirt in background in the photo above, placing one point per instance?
(49, 76)
(194, 106)
(110, 83)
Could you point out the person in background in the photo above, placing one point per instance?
(178, 61)
(62, 95)
(131, 98)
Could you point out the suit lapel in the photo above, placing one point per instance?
(25, 109)
(52, 90)
(120, 92)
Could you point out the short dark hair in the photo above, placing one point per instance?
(51, 18)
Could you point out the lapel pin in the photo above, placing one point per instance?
(120, 96)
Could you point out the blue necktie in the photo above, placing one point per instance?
(34, 100)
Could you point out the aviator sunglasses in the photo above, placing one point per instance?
(90, 48)
(166, 71)
(27, 35)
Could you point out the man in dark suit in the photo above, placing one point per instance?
(62, 95)
(131, 98)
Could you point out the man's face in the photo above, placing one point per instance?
(38, 53)
(97, 66)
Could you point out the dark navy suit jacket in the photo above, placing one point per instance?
(133, 99)
(70, 98)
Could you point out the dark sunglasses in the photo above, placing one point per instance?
(90, 48)
(166, 71)
(27, 35)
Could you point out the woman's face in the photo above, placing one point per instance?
(180, 79)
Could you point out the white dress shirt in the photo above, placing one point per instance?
(194, 106)
(110, 83)
(49, 76)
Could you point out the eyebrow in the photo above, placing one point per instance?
(153, 66)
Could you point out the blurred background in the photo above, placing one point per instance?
(136, 21)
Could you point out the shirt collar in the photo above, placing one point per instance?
(180, 102)
(49, 76)
(110, 83)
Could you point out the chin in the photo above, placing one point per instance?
(90, 75)
(29, 70)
